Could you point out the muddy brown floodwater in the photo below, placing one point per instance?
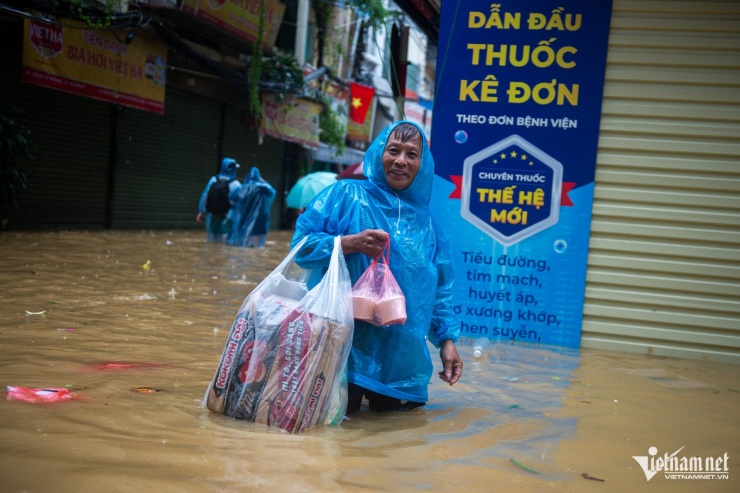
(102, 313)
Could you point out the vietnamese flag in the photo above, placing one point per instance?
(360, 99)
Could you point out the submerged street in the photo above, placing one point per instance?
(133, 324)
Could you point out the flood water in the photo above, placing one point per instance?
(86, 312)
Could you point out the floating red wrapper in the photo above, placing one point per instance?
(39, 395)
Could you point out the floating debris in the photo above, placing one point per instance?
(123, 365)
(39, 395)
(147, 265)
(146, 390)
(35, 313)
(586, 476)
(522, 466)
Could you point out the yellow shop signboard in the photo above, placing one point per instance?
(74, 58)
(292, 119)
(240, 17)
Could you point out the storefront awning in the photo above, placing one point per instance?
(329, 154)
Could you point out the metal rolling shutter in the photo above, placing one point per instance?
(241, 143)
(164, 162)
(68, 173)
(664, 263)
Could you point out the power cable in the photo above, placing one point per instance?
(447, 50)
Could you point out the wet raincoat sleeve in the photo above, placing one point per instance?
(234, 187)
(443, 326)
(270, 194)
(326, 216)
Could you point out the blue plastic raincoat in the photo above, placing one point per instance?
(219, 227)
(392, 360)
(251, 211)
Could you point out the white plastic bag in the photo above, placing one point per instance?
(284, 361)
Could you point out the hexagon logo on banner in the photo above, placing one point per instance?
(511, 190)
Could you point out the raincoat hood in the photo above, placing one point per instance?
(420, 190)
(228, 168)
(254, 175)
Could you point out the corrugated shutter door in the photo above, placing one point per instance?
(241, 142)
(664, 262)
(68, 173)
(165, 162)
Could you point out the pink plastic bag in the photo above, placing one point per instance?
(376, 296)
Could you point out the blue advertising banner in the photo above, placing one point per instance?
(516, 127)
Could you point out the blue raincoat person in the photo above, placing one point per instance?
(218, 224)
(390, 366)
(251, 211)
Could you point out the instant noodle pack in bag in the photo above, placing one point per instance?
(284, 361)
(376, 296)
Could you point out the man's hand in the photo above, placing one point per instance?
(369, 242)
(451, 363)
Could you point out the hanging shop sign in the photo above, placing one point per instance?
(336, 95)
(292, 119)
(240, 17)
(74, 58)
(516, 127)
(330, 154)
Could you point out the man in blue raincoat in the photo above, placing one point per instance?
(251, 211)
(390, 366)
(214, 202)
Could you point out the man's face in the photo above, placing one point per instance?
(401, 161)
